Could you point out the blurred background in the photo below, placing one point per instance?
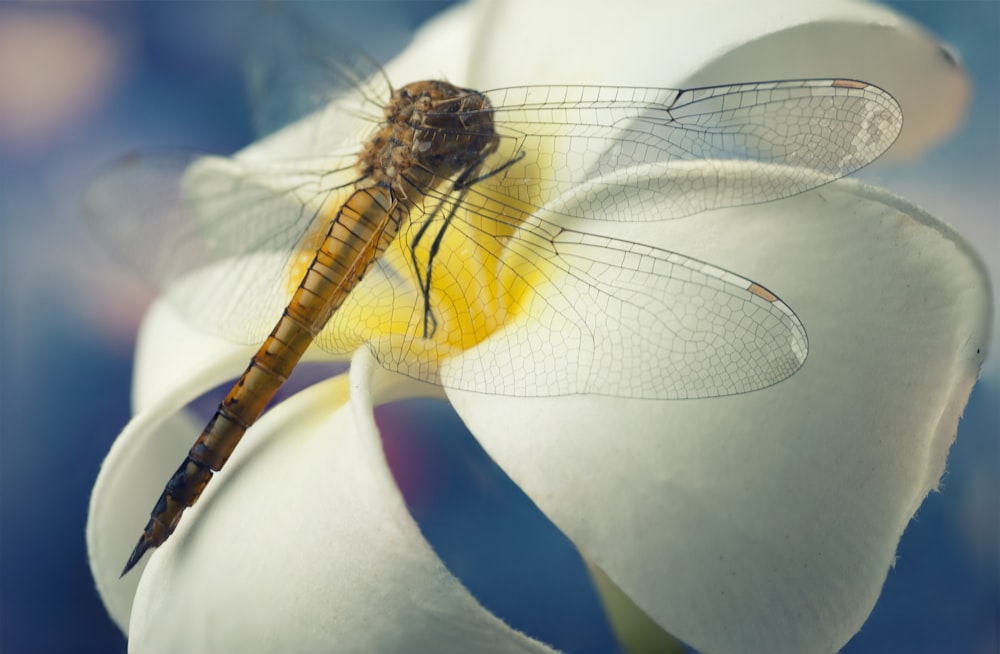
(82, 83)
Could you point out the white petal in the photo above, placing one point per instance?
(768, 521)
(303, 543)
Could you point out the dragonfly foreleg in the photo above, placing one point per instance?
(460, 187)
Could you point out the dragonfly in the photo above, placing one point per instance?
(422, 221)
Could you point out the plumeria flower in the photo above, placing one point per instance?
(765, 521)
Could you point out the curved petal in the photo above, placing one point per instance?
(680, 44)
(304, 543)
(768, 521)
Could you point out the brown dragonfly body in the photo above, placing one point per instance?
(433, 133)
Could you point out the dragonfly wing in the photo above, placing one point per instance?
(544, 310)
(570, 136)
(215, 235)
(610, 317)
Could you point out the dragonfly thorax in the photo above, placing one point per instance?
(432, 131)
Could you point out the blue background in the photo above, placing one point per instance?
(68, 317)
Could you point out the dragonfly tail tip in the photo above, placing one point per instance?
(140, 548)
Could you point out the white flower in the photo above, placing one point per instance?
(758, 522)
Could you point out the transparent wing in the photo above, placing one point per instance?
(820, 130)
(238, 224)
(624, 319)
(589, 314)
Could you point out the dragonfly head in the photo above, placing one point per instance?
(433, 131)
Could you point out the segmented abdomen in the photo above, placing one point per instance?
(360, 232)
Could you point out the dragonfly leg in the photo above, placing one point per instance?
(463, 182)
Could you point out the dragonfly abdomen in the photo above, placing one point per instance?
(360, 232)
